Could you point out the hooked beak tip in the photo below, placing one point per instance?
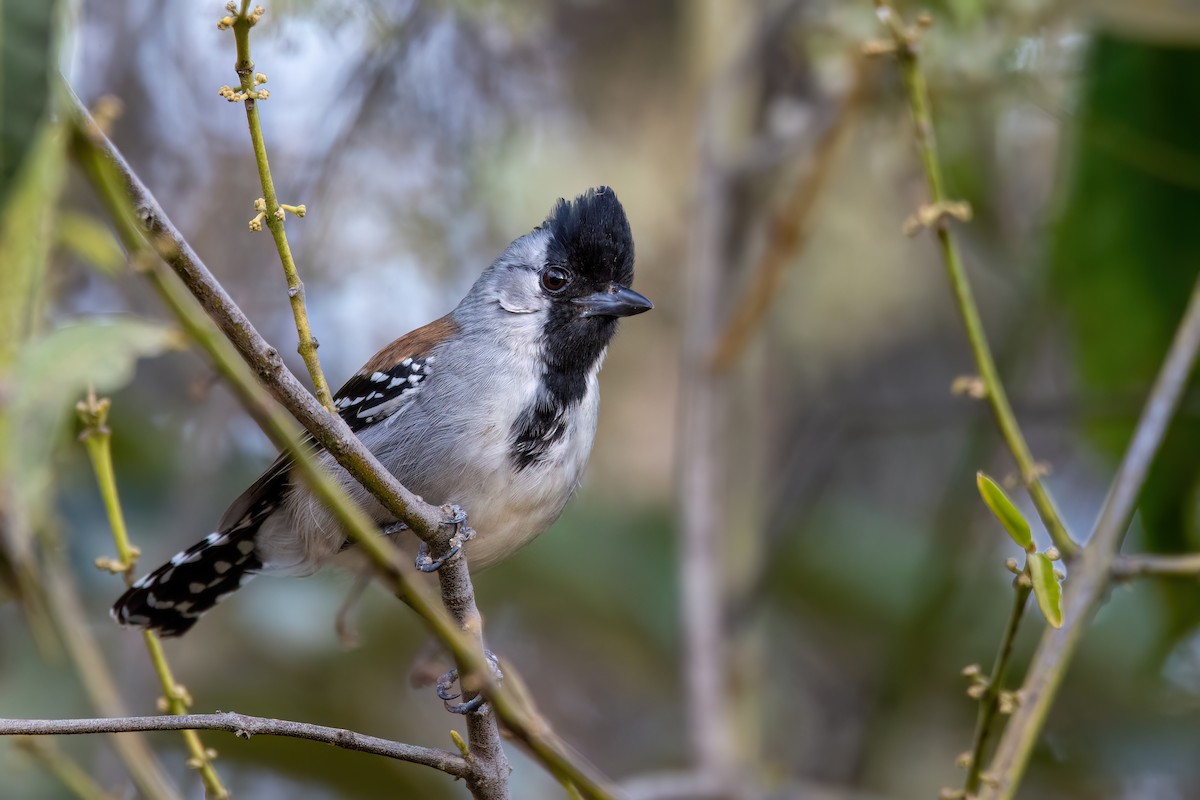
(620, 302)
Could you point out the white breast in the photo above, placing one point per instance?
(511, 508)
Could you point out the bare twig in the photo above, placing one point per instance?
(989, 703)
(905, 41)
(1091, 578)
(788, 228)
(1157, 566)
(271, 209)
(244, 727)
(430, 523)
(97, 438)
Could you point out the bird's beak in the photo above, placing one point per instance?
(618, 301)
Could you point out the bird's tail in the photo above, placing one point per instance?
(171, 598)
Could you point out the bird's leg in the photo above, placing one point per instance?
(445, 688)
(344, 622)
(347, 632)
(462, 535)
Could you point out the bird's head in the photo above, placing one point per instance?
(571, 277)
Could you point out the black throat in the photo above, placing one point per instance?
(571, 348)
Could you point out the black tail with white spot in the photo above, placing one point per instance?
(171, 598)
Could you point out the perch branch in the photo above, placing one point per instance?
(244, 727)
(905, 46)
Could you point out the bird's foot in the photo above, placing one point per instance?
(445, 688)
(462, 535)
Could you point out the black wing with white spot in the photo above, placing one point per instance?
(370, 397)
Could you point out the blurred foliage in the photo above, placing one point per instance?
(1125, 255)
(27, 63)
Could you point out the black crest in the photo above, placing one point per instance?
(591, 237)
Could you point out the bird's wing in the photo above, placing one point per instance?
(372, 394)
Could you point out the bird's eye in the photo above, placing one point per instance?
(555, 279)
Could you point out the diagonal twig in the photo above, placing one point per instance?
(1091, 579)
(271, 210)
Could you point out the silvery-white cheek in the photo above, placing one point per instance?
(519, 293)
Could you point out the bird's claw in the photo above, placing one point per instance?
(445, 688)
(462, 535)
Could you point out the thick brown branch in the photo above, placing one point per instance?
(244, 727)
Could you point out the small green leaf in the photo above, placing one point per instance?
(1005, 511)
(1047, 588)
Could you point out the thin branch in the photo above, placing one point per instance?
(905, 42)
(97, 439)
(244, 727)
(1157, 566)
(271, 209)
(99, 158)
(788, 228)
(1089, 582)
(989, 703)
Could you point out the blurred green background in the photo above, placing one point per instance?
(423, 136)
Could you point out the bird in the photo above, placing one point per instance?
(493, 407)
